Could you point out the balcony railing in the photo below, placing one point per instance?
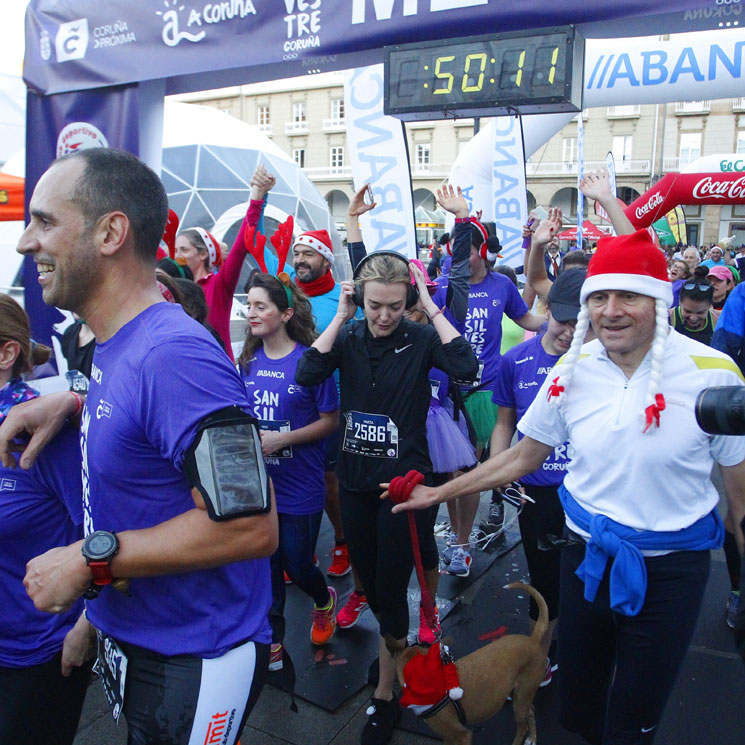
(296, 128)
(265, 129)
(338, 124)
(682, 108)
(329, 172)
(430, 170)
(561, 168)
(738, 104)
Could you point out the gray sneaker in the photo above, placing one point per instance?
(460, 562)
(447, 552)
(495, 519)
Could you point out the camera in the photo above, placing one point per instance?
(721, 410)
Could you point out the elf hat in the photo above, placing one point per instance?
(318, 240)
(628, 262)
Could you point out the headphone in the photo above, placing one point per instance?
(412, 293)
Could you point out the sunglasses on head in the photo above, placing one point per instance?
(702, 287)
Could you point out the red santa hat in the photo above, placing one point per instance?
(213, 247)
(318, 240)
(427, 680)
(628, 262)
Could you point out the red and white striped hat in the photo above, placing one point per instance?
(213, 247)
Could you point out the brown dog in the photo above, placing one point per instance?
(512, 665)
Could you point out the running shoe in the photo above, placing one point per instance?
(447, 552)
(340, 564)
(732, 606)
(354, 607)
(381, 719)
(275, 657)
(460, 562)
(550, 670)
(495, 518)
(324, 621)
(288, 581)
(426, 635)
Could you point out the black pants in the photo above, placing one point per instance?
(380, 549)
(185, 699)
(617, 671)
(38, 705)
(536, 521)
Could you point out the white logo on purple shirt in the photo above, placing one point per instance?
(7, 484)
(104, 410)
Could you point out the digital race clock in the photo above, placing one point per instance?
(526, 72)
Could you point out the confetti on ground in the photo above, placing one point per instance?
(501, 631)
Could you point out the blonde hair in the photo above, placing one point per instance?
(386, 268)
(568, 364)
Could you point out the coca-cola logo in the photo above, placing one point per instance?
(709, 188)
(654, 201)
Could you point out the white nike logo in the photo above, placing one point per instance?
(648, 729)
(396, 351)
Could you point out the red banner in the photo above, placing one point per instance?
(685, 188)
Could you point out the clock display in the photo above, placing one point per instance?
(525, 72)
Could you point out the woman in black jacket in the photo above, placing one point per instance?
(384, 362)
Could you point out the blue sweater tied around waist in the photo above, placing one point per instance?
(628, 574)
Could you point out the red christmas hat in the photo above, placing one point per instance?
(318, 240)
(427, 680)
(168, 241)
(628, 262)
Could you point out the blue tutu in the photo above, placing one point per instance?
(449, 446)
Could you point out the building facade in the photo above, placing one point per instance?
(305, 117)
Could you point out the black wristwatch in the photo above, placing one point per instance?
(99, 548)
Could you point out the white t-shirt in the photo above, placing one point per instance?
(655, 481)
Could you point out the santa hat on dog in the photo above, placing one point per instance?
(633, 263)
(427, 680)
(318, 240)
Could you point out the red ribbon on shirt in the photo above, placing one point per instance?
(555, 389)
(652, 412)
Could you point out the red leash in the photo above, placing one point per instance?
(399, 490)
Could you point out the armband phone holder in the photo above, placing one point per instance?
(225, 464)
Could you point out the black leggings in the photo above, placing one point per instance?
(38, 705)
(380, 549)
(187, 700)
(536, 521)
(617, 671)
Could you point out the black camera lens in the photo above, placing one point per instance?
(721, 410)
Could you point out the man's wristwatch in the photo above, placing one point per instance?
(99, 548)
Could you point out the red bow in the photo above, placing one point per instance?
(400, 488)
(255, 246)
(282, 241)
(652, 412)
(554, 389)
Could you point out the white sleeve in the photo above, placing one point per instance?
(544, 422)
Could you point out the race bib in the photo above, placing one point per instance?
(111, 668)
(280, 425)
(373, 435)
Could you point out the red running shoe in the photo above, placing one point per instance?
(340, 564)
(354, 607)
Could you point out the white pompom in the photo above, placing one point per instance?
(456, 693)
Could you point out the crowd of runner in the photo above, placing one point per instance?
(342, 387)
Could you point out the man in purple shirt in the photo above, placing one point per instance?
(183, 631)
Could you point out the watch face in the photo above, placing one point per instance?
(100, 545)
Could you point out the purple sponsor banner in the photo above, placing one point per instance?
(82, 44)
(58, 125)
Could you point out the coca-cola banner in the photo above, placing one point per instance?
(685, 188)
(198, 44)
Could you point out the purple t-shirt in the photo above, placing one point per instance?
(151, 385)
(39, 509)
(523, 370)
(281, 404)
(487, 302)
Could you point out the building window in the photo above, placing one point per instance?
(298, 111)
(423, 153)
(337, 108)
(740, 142)
(298, 155)
(264, 117)
(569, 149)
(690, 147)
(622, 148)
(337, 158)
